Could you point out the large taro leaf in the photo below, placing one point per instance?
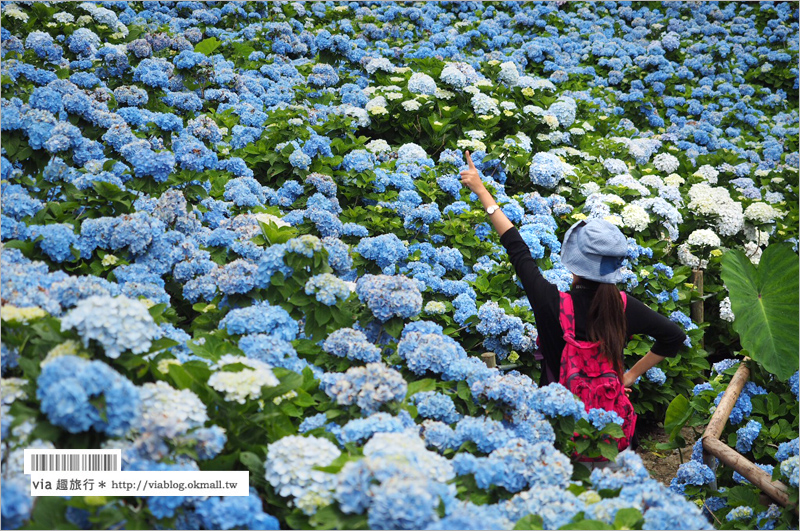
(765, 302)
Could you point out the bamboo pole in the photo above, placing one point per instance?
(712, 446)
(730, 457)
(489, 359)
(720, 416)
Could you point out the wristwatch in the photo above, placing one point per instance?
(492, 209)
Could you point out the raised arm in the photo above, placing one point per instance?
(472, 180)
(541, 293)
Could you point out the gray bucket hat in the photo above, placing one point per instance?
(594, 249)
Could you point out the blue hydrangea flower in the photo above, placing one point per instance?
(600, 418)
(368, 387)
(384, 250)
(746, 435)
(328, 289)
(388, 296)
(788, 449)
(313, 422)
(656, 376)
(436, 406)
(547, 170)
(351, 344)
(261, 318)
(16, 502)
(235, 512)
(77, 395)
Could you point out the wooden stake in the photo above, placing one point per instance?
(730, 457)
(489, 359)
(720, 416)
(697, 306)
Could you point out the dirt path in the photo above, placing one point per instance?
(663, 464)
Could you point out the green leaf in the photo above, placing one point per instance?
(609, 450)
(253, 463)
(394, 326)
(765, 302)
(207, 46)
(628, 518)
(419, 386)
(587, 524)
(532, 521)
(742, 495)
(613, 429)
(678, 414)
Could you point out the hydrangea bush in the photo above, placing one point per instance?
(252, 211)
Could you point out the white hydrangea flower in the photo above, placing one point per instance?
(472, 145)
(13, 11)
(613, 199)
(169, 412)
(435, 307)
(289, 468)
(376, 105)
(476, 134)
(653, 181)
(753, 252)
(615, 219)
(534, 110)
(716, 202)
(245, 384)
(380, 63)
(753, 234)
(589, 188)
(14, 314)
(635, 217)
(551, 121)
(267, 218)
(393, 96)
(703, 238)
(64, 18)
(443, 94)
(69, 347)
(673, 179)
(666, 162)
(378, 146)
(508, 74)
(762, 213)
(725, 312)
(411, 105)
(686, 257)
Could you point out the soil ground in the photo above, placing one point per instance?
(663, 464)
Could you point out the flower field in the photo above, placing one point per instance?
(234, 237)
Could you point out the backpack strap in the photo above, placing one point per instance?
(566, 315)
(624, 300)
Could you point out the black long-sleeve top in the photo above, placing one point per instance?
(545, 300)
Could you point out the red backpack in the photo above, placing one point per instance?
(591, 376)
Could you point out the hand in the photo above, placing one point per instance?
(470, 177)
(628, 380)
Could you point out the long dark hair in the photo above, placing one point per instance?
(606, 324)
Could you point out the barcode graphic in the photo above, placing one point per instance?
(74, 462)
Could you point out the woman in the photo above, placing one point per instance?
(593, 251)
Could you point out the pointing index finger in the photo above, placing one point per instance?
(469, 160)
